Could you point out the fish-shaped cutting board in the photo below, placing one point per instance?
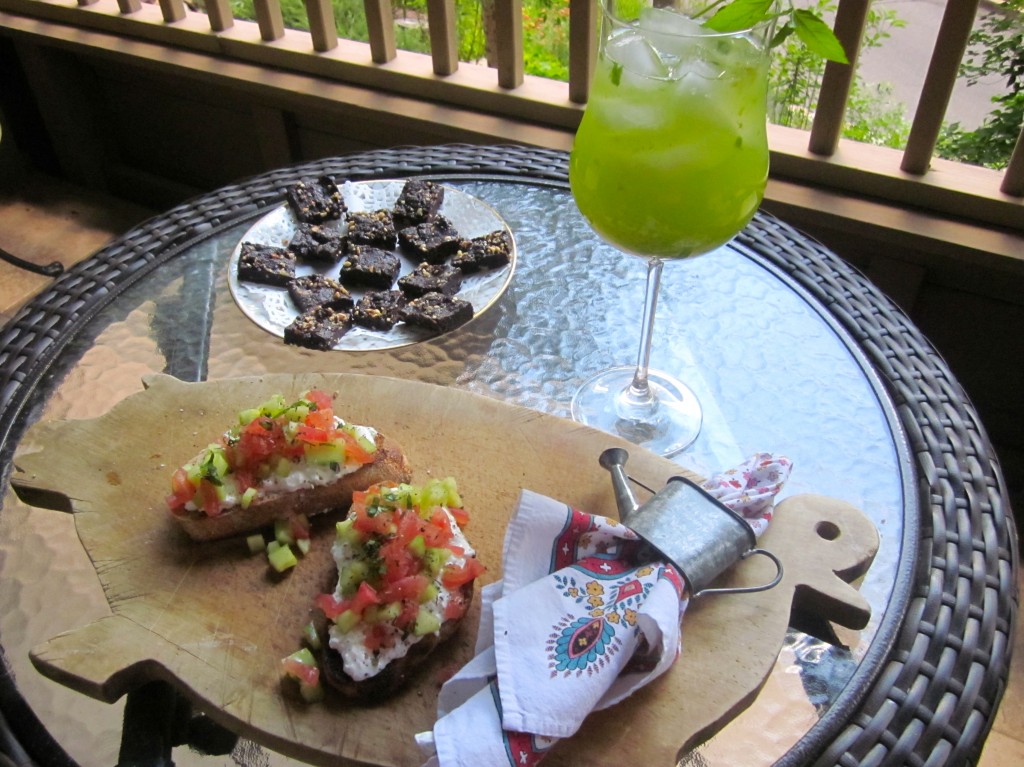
(215, 621)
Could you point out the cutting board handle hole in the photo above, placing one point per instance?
(828, 530)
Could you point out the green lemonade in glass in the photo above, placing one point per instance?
(670, 161)
(671, 156)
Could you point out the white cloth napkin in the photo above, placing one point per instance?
(576, 625)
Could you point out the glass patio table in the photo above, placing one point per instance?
(789, 349)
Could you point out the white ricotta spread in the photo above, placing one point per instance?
(359, 661)
(302, 475)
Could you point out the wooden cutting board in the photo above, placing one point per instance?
(215, 621)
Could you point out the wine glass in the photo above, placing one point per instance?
(670, 161)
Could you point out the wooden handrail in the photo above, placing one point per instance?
(439, 78)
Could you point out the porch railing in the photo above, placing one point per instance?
(910, 176)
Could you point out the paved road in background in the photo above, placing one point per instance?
(903, 61)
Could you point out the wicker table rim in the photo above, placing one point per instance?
(932, 697)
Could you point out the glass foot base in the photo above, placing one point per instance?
(667, 428)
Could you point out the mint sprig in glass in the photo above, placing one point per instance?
(737, 15)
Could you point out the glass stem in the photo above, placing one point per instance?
(640, 397)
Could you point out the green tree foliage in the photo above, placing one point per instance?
(873, 115)
(996, 48)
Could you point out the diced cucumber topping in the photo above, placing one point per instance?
(429, 593)
(281, 557)
(255, 543)
(248, 497)
(303, 545)
(274, 406)
(433, 494)
(346, 533)
(360, 437)
(331, 452)
(434, 559)
(311, 693)
(389, 612)
(194, 473)
(347, 621)
(283, 532)
(453, 499)
(418, 546)
(426, 623)
(247, 416)
(354, 573)
(312, 636)
(303, 656)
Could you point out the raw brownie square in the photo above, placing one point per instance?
(266, 264)
(314, 290)
(419, 202)
(487, 252)
(313, 242)
(431, 278)
(315, 201)
(320, 328)
(379, 309)
(432, 241)
(373, 267)
(372, 228)
(437, 312)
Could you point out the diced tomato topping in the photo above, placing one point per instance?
(461, 516)
(410, 587)
(366, 595)
(453, 576)
(331, 606)
(409, 526)
(304, 672)
(439, 531)
(312, 435)
(259, 440)
(245, 479)
(456, 607)
(207, 498)
(353, 450)
(410, 609)
(321, 419)
(381, 523)
(379, 636)
(321, 399)
(182, 491)
(298, 526)
(399, 562)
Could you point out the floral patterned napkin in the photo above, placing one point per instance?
(576, 625)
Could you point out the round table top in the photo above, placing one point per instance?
(789, 350)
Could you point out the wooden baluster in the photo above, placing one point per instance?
(583, 16)
(508, 23)
(380, 23)
(950, 45)
(322, 28)
(444, 45)
(219, 13)
(270, 19)
(172, 10)
(1013, 181)
(129, 6)
(851, 18)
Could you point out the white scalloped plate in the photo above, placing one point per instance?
(272, 309)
